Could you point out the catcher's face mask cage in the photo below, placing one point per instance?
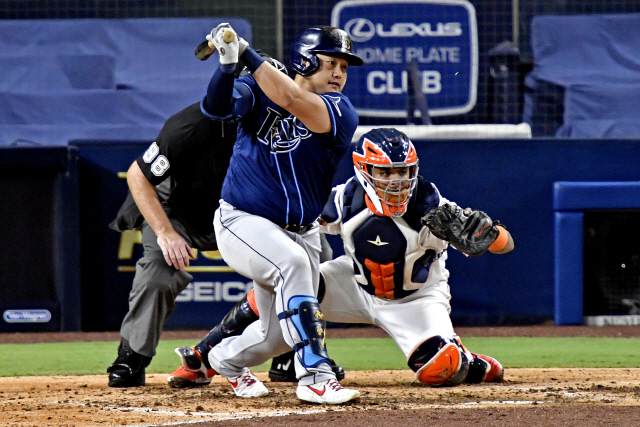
(386, 165)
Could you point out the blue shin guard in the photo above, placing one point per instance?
(305, 315)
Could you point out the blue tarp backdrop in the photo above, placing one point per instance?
(100, 78)
(596, 62)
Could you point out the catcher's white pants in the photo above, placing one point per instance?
(409, 321)
(282, 264)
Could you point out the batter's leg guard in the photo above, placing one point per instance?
(484, 369)
(234, 323)
(283, 368)
(439, 361)
(304, 312)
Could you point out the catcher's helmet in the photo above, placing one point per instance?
(383, 149)
(323, 39)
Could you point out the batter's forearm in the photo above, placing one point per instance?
(218, 101)
(305, 105)
(278, 87)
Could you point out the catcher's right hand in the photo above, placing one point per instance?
(469, 231)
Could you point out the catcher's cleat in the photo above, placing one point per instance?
(128, 370)
(328, 392)
(496, 372)
(247, 385)
(484, 369)
(337, 370)
(283, 369)
(193, 371)
(181, 378)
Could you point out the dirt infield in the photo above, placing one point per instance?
(534, 397)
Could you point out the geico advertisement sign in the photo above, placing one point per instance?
(214, 291)
(205, 268)
(130, 250)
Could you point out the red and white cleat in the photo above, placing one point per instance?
(247, 385)
(329, 392)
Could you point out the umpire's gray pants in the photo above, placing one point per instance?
(155, 288)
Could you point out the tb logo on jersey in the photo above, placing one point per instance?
(281, 134)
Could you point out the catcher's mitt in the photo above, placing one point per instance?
(469, 231)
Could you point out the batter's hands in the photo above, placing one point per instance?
(175, 249)
(228, 44)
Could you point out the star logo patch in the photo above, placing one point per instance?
(378, 242)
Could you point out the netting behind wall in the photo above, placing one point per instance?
(501, 94)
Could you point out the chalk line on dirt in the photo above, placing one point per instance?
(233, 416)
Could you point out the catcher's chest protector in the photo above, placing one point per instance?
(380, 248)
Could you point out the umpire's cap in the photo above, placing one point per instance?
(323, 39)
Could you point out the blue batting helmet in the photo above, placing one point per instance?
(324, 39)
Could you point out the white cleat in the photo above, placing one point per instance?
(247, 385)
(329, 392)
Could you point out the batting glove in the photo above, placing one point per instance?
(227, 43)
(242, 46)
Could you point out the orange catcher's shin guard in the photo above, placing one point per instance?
(439, 361)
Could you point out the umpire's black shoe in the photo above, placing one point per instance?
(283, 369)
(128, 368)
(337, 370)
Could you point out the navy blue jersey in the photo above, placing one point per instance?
(279, 169)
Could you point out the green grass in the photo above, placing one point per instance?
(90, 358)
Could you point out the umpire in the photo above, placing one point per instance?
(174, 191)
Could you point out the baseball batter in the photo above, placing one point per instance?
(291, 137)
(174, 191)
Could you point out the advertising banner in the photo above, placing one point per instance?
(213, 292)
(440, 36)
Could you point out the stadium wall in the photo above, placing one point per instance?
(511, 179)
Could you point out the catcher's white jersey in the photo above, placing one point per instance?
(393, 273)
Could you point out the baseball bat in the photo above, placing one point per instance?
(206, 48)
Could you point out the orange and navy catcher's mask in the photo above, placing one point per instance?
(386, 148)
